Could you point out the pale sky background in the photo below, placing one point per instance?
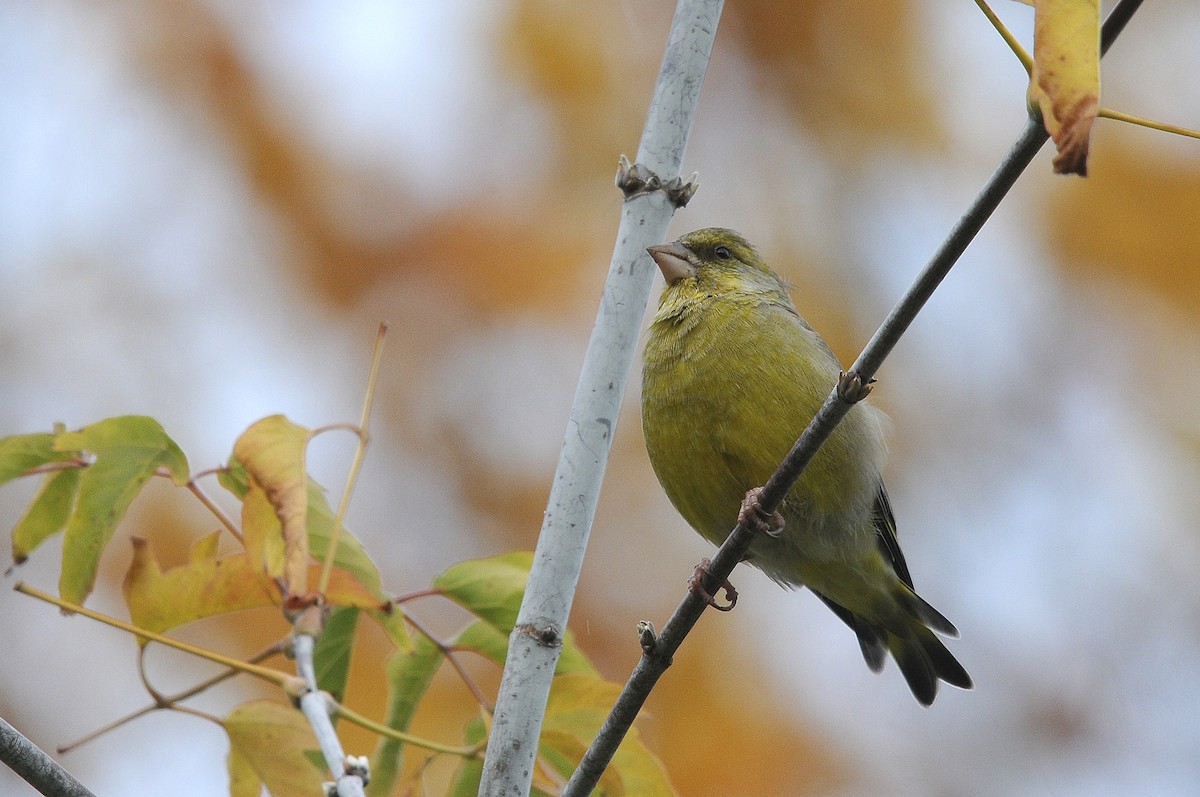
(1044, 453)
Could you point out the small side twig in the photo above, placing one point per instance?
(364, 436)
(449, 653)
(195, 489)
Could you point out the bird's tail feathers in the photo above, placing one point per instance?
(906, 630)
(924, 660)
(928, 615)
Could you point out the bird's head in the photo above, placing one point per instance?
(715, 258)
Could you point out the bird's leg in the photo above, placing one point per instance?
(696, 585)
(851, 388)
(754, 517)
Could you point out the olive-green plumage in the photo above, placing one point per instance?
(732, 376)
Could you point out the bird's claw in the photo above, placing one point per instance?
(851, 388)
(754, 517)
(696, 585)
(635, 179)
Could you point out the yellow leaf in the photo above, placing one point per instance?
(205, 547)
(1065, 84)
(243, 780)
(263, 533)
(269, 740)
(209, 585)
(273, 452)
(577, 707)
(203, 587)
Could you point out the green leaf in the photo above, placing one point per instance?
(409, 673)
(332, 654)
(393, 624)
(483, 638)
(243, 780)
(234, 478)
(350, 556)
(470, 771)
(490, 588)
(128, 450)
(20, 454)
(47, 514)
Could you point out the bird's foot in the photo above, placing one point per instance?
(696, 585)
(635, 179)
(754, 517)
(851, 388)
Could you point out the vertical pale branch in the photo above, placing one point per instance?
(348, 772)
(537, 638)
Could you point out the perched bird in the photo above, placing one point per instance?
(732, 376)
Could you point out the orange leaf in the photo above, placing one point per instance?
(272, 451)
(1065, 84)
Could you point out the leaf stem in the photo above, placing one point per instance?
(265, 673)
(1024, 57)
(1108, 113)
(355, 718)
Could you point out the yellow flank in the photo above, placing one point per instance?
(732, 376)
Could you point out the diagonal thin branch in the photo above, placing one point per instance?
(658, 651)
(36, 766)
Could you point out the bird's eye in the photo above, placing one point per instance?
(723, 253)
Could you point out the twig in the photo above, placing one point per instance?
(162, 701)
(449, 653)
(359, 453)
(195, 489)
(657, 651)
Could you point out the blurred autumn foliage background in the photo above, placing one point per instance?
(206, 206)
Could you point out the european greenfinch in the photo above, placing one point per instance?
(732, 376)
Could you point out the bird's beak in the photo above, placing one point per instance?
(674, 261)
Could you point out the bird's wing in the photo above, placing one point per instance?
(885, 533)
